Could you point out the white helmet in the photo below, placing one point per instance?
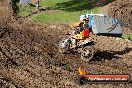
(82, 17)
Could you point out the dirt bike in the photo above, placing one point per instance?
(84, 47)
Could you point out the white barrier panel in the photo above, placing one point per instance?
(105, 25)
(25, 1)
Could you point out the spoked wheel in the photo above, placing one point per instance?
(87, 53)
(64, 46)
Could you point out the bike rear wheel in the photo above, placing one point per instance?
(87, 53)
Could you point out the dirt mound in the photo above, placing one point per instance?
(8, 9)
(26, 51)
(122, 9)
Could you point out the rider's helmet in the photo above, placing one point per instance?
(84, 17)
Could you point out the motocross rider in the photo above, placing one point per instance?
(83, 30)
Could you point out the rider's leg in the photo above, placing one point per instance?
(73, 43)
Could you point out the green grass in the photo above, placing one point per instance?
(69, 11)
(65, 11)
(50, 3)
(60, 17)
(25, 10)
(128, 36)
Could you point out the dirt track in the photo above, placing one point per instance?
(30, 58)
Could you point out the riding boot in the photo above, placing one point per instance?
(74, 42)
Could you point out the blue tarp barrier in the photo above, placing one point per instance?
(90, 21)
